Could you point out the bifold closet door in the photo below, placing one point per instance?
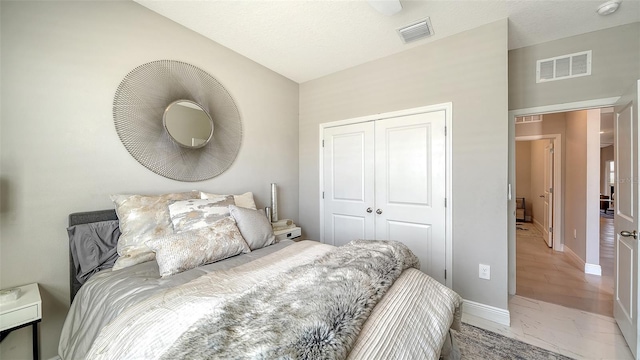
(348, 177)
(410, 180)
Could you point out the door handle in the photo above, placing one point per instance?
(633, 234)
(541, 196)
(379, 211)
(369, 210)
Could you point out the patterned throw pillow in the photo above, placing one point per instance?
(195, 214)
(142, 218)
(244, 200)
(180, 252)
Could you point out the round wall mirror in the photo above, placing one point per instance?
(188, 124)
(165, 112)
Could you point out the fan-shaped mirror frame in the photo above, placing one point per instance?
(138, 108)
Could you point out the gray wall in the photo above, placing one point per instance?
(468, 69)
(615, 64)
(61, 64)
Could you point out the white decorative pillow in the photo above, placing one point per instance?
(143, 217)
(245, 200)
(254, 227)
(194, 214)
(180, 252)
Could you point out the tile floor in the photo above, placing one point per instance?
(574, 333)
(578, 323)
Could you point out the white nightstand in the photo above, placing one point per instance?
(22, 312)
(292, 233)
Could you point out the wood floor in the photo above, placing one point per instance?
(553, 277)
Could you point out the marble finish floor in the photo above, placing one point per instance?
(574, 333)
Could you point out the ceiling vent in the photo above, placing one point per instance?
(416, 31)
(564, 67)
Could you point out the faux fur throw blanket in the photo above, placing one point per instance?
(313, 311)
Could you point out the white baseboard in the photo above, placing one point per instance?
(487, 312)
(593, 269)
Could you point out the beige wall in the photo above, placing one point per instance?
(551, 124)
(61, 65)
(592, 194)
(537, 180)
(575, 194)
(442, 71)
(523, 175)
(615, 65)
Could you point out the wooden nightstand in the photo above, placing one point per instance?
(292, 233)
(25, 311)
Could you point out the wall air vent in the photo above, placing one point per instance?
(528, 119)
(416, 30)
(564, 67)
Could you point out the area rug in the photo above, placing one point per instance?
(476, 343)
(606, 215)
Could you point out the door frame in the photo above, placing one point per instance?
(511, 219)
(558, 203)
(448, 109)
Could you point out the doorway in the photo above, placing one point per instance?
(562, 233)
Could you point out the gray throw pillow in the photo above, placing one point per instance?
(254, 226)
(93, 247)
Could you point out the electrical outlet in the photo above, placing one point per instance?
(484, 272)
(575, 234)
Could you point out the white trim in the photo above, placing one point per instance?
(448, 109)
(593, 269)
(578, 105)
(487, 312)
(547, 109)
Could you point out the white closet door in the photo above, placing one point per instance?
(410, 186)
(348, 183)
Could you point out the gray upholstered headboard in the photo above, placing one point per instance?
(84, 218)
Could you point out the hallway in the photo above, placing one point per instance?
(555, 277)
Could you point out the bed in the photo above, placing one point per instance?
(285, 300)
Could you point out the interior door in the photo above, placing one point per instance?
(548, 193)
(625, 304)
(348, 177)
(410, 186)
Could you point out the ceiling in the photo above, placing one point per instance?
(307, 39)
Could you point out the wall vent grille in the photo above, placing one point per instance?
(528, 119)
(564, 67)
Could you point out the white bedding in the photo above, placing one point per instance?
(411, 321)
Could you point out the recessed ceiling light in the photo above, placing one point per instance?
(609, 7)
